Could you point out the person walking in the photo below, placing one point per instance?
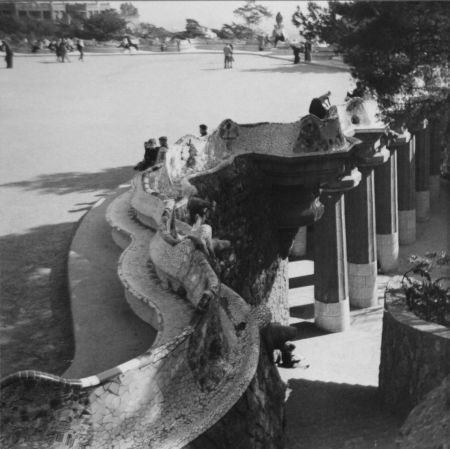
(80, 48)
(8, 54)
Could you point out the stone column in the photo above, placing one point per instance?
(331, 307)
(361, 243)
(406, 173)
(435, 162)
(386, 206)
(423, 172)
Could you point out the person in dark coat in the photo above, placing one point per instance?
(359, 91)
(80, 48)
(8, 54)
(150, 155)
(319, 106)
(296, 50)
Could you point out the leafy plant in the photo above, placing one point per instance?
(429, 299)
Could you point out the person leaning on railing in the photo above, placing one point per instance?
(320, 105)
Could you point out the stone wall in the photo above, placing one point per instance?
(428, 425)
(254, 267)
(415, 355)
(257, 420)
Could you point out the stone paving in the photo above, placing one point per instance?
(333, 404)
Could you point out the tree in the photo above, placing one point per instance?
(194, 29)
(399, 50)
(252, 14)
(105, 25)
(234, 31)
(128, 10)
(151, 31)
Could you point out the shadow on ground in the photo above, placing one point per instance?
(70, 182)
(301, 68)
(338, 416)
(35, 317)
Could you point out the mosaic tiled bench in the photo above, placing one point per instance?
(151, 401)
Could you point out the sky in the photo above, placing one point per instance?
(172, 15)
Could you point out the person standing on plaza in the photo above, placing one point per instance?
(62, 48)
(80, 48)
(8, 54)
(308, 48)
(228, 55)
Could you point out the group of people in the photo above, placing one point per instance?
(155, 156)
(228, 56)
(306, 48)
(61, 47)
(320, 106)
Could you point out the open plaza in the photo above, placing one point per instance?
(70, 136)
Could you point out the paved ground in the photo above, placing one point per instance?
(70, 133)
(333, 404)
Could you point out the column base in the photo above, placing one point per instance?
(362, 284)
(407, 226)
(435, 186)
(332, 317)
(299, 246)
(423, 205)
(387, 251)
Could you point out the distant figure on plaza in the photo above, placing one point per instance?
(178, 43)
(127, 43)
(80, 48)
(61, 51)
(36, 46)
(8, 54)
(307, 49)
(320, 105)
(203, 130)
(228, 56)
(150, 155)
(296, 49)
(278, 30)
(359, 91)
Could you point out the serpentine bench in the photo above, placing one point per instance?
(164, 398)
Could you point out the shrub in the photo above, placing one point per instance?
(429, 299)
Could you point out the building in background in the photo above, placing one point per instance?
(53, 10)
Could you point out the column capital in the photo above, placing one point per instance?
(372, 151)
(343, 183)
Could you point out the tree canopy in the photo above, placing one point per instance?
(399, 50)
(128, 10)
(194, 29)
(252, 14)
(105, 25)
